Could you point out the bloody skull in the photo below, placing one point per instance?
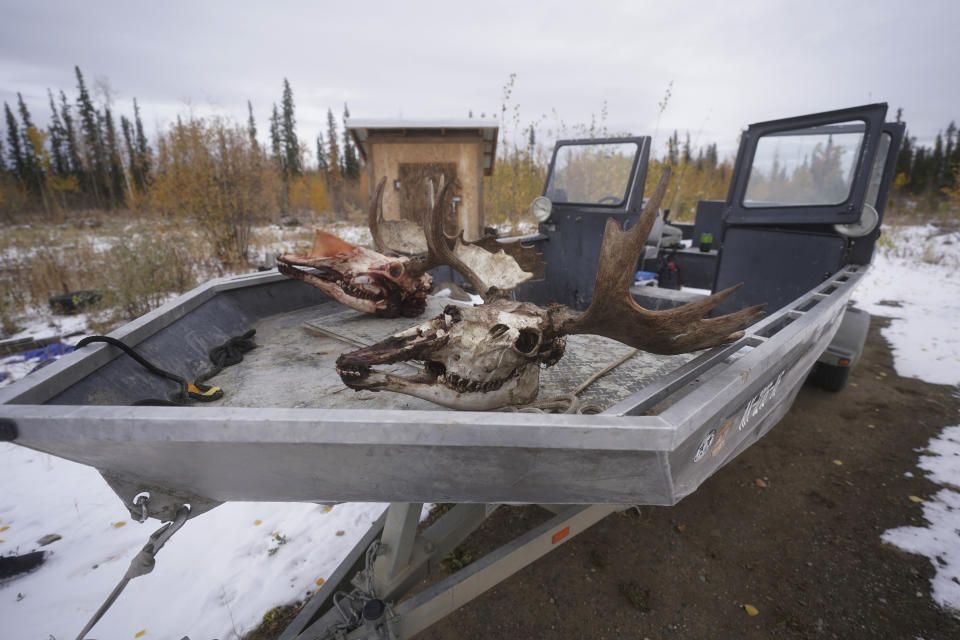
(359, 278)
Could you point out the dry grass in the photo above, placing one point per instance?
(136, 261)
(135, 264)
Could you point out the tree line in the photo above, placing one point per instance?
(928, 171)
(78, 160)
(86, 159)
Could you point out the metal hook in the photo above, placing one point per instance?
(141, 500)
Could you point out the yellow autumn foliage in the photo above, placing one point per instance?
(210, 175)
(309, 193)
(517, 179)
(690, 182)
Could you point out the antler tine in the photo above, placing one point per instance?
(431, 192)
(614, 313)
(438, 249)
(375, 215)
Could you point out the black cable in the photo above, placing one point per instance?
(227, 354)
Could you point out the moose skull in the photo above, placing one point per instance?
(359, 278)
(475, 358)
(489, 356)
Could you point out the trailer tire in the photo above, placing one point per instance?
(831, 377)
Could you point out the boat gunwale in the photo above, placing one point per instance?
(618, 427)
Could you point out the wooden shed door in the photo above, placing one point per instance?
(414, 201)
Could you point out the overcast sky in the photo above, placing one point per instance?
(731, 63)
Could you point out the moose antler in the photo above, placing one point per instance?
(489, 356)
(399, 236)
(492, 273)
(613, 313)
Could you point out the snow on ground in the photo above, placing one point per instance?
(925, 330)
(939, 541)
(215, 578)
(226, 568)
(921, 274)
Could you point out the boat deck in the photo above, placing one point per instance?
(293, 364)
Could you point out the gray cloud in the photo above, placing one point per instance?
(730, 64)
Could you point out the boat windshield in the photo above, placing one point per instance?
(812, 167)
(592, 173)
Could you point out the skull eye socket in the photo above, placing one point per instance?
(395, 270)
(498, 330)
(528, 341)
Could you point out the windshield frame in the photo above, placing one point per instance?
(635, 179)
(844, 212)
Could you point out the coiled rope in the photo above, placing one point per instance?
(570, 402)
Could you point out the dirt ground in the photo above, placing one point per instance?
(804, 549)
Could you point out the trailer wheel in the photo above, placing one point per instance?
(831, 377)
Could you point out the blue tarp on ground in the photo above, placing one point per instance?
(43, 356)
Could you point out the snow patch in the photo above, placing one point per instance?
(939, 542)
(914, 280)
(214, 579)
(920, 272)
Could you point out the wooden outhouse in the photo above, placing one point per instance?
(410, 152)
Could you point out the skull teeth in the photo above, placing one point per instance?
(465, 385)
(452, 380)
(351, 290)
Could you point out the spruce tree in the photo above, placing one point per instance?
(118, 179)
(144, 152)
(291, 146)
(3, 159)
(333, 151)
(334, 176)
(687, 154)
(713, 156)
(949, 166)
(905, 157)
(276, 140)
(128, 142)
(252, 127)
(61, 165)
(70, 137)
(322, 167)
(107, 181)
(17, 163)
(93, 141)
(919, 171)
(34, 172)
(351, 164)
(955, 154)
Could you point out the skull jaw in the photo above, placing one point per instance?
(334, 291)
(389, 303)
(519, 389)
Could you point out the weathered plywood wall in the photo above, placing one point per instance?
(386, 156)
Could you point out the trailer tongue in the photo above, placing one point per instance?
(288, 429)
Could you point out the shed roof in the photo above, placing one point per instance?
(364, 131)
